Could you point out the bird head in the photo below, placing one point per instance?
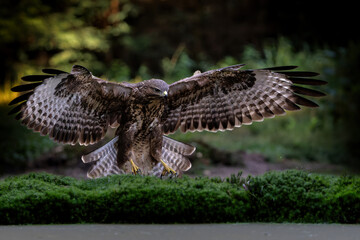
(154, 88)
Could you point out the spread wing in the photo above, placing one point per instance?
(71, 107)
(229, 97)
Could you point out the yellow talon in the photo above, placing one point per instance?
(134, 168)
(166, 168)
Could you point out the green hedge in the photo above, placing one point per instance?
(289, 196)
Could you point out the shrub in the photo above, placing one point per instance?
(290, 196)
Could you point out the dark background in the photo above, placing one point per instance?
(137, 40)
(143, 32)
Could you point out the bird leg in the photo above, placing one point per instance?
(135, 169)
(156, 148)
(166, 168)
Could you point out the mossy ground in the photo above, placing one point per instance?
(289, 196)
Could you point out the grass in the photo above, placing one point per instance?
(290, 196)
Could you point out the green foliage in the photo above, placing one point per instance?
(178, 67)
(111, 39)
(324, 134)
(44, 198)
(306, 197)
(344, 93)
(19, 147)
(61, 33)
(291, 196)
(281, 52)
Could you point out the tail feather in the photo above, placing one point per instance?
(99, 170)
(176, 160)
(177, 147)
(105, 158)
(174, 153)
(100, 152)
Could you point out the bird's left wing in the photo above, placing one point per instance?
(73, 107)
(225, 98)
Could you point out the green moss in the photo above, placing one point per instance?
(290, 196)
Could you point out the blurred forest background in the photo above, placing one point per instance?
(134, 40)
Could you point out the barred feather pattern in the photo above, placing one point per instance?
(70, 107)
(77, 107)
(174, 154)
(222, 99)
(105, 160)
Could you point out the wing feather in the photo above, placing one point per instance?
(71, 107)
(225, 98)
(52, 71)
(306, 81)
(25, 87)
(35, 78)
(21, 98)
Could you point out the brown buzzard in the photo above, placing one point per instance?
(78, 107)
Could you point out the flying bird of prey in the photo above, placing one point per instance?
(78, 107)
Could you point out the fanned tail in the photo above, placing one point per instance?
(174, 153)
(105, 158)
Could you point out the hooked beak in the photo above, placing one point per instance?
(165, 93)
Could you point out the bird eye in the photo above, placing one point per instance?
(157, 90)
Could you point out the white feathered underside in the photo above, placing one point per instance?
(105, 158)
(174, 154)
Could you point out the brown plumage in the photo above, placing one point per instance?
(77, 107)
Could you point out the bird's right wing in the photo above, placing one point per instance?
(71, 107)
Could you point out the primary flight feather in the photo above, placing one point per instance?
(78, 107)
